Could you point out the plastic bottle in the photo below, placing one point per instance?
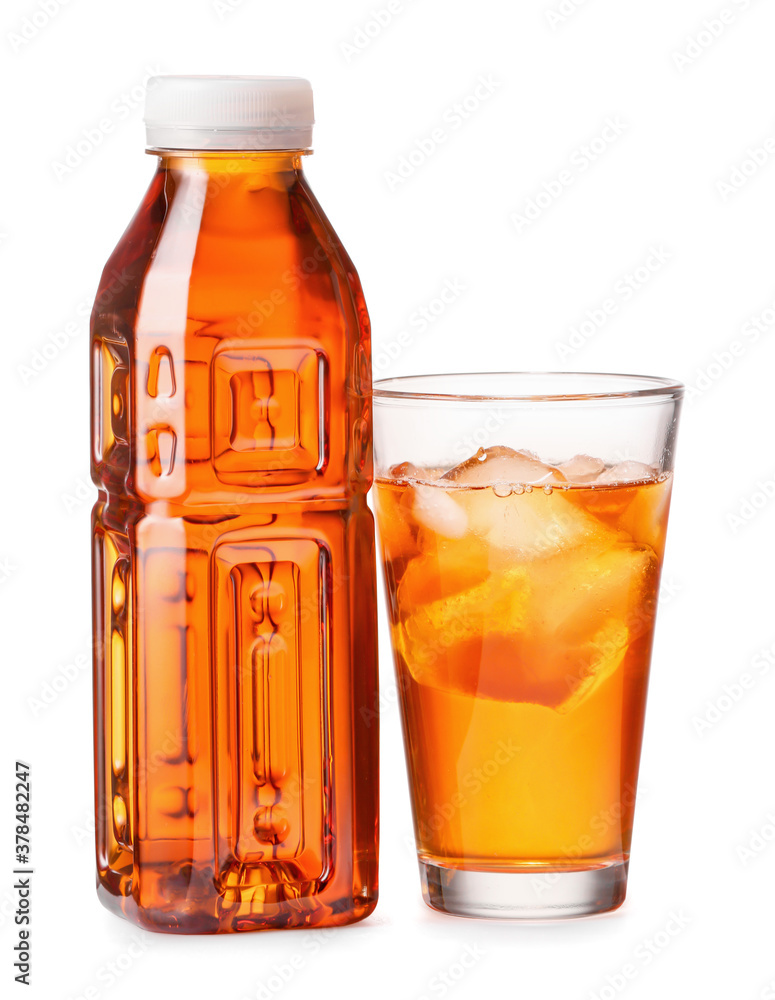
(234, 599)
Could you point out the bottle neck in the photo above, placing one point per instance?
(242, 162)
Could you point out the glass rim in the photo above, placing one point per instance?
(658, 387)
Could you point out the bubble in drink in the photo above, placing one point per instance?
(582, 468)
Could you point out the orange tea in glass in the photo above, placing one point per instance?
(522, 521)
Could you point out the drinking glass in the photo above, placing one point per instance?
(522, 519)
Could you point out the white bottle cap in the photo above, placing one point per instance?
(228, 112)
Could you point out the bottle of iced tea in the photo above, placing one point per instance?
(234, 595)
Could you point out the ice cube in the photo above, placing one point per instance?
(646, 517)
(446, 567)
(582, 468)
(443, 641)
(590, 606)
(402, 471)
(548, 633)
(500, 464)
(602, 657)
(436, 509)
(397, 528)
(577, 593)
(533, 525)
(409, 472)
(626, 472)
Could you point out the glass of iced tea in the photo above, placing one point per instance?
(522, 520)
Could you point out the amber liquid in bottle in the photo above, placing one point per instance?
(234, 594)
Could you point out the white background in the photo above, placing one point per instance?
(687, 124)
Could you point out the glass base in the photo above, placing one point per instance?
(530, 893)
